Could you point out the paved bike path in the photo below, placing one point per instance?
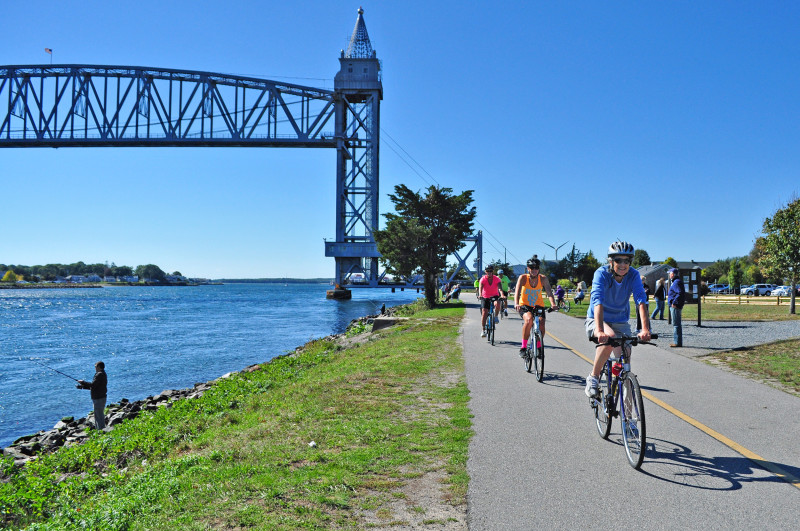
(537, 461)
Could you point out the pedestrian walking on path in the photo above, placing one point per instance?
(659, 295)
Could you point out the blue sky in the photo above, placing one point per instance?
(674, 125)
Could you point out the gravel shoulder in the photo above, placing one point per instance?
(718, 336)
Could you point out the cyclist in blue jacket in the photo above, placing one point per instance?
(612, 287)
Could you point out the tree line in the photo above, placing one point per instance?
(50, 272)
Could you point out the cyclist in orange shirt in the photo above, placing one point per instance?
(527, 295)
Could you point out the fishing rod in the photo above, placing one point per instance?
(52, 369)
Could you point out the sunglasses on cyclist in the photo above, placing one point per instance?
(622, 260)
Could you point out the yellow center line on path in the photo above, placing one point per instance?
(736, 447)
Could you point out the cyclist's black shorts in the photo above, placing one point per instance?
(524, 309)
(488, 302)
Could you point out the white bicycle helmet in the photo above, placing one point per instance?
(620, 248)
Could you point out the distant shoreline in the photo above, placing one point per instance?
(275, 280)
(48, 286)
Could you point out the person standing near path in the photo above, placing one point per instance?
(98, 387)
(527, 295)
(659, 296)
(675, 300)
(609, 310)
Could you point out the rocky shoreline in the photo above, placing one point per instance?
(69, 431)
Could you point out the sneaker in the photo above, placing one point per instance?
(505, 312)
(496, 320)
(522, 352)
(591, 386)
(483, 333)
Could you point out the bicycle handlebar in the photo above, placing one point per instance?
(539, 310)
(616, 341)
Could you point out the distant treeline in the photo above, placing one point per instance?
(275, 280)
(52, 271)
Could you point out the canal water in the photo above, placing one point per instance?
(152, 339)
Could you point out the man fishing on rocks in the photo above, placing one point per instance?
(98, 389)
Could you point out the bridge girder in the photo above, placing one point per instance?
(130, 106)
(96, 105)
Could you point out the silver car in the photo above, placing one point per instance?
(758, 289)
(782, 291)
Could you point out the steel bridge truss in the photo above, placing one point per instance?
(94, 106)
(91, 105)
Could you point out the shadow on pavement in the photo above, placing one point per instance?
(675, 463)
(557, 379)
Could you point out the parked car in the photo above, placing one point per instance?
(782, 291)
(719, 288)
(758, 289)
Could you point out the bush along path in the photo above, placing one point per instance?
(370, 430)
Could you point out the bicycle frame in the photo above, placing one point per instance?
(615, 382)
(535, 352)
(610, 403)
(489, 326)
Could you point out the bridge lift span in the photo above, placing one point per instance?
(113, 106)
(130, 106)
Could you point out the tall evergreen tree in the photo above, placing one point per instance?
(424, 232)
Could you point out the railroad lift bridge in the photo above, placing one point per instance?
(131, 106)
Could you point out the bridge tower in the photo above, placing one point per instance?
(357, 94)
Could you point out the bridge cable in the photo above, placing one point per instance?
(407, 154)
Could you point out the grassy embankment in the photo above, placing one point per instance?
(388, 412)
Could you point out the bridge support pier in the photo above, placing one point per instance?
(339, 294)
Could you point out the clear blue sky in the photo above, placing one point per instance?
(674, 125)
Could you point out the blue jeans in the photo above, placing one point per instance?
(659, 309)
(677, 330)
(99, 412)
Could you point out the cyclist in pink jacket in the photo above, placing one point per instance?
(490, 288)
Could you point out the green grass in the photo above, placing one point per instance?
(392, 407)
(777, 363)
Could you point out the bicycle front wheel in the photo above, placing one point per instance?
(602, 409)
(565, 306)
(538, 350)
(634, 434)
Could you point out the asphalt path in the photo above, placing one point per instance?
(714, 458)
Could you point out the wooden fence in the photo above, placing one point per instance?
(745, 299)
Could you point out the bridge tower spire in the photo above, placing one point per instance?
(357, 94)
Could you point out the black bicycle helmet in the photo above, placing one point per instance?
(534, 263)
(620, 248)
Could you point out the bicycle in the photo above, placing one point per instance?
(563, 305)
(490, 326)
(615, 382)
(534, 353)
